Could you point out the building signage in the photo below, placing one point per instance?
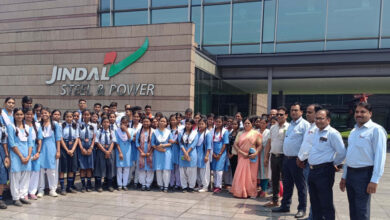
(77, 75)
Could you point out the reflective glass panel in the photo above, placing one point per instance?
(216, 24)
(386, 18)
(104, 5)
(353, 18)
(246, 22)
(267, 48)
(131, 18)
(300, 47)
(269, 21)
(215, 1)
(196, 2)
(105, 19)
(169, 15)
(133, 4)
(159, 3)
(195, 18)
(215, 50)
(301, 20)
(385, 43)
(242, 49)
(351, 44)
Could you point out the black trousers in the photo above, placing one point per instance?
(358, 198)
(293, 175)
(276, 167)
(321, 181)
(233, 164)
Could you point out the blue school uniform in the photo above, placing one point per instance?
(49, 146)
(162, 160)
(35, 135)
(23, 147)
(175, 147)
(204, 144)
(70, 136)
(105, 167)
(219, 139)
(3, 169)
(10, 117)
(145, 147)
(187, 145)
(134, 150)
(87, 134)
(125, 144)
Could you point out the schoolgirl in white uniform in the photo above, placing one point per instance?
(4, 162)
(175, 173)
(203, 148)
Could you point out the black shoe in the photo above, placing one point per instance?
(63, 192)
(185, 190)
(25, 201)
(83, 189)
(176, 188)
(124, 188)
(3, 205)
(280, 209)
(190, 190)
(100, 189)
(110, 189)
(161, 188)
(143, 188)
(18, 203)
(165, 189)
(148, 188)
(300, 214)
(71, 190)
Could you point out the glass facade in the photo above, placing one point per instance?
(264, 26)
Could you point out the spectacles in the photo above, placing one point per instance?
(279, 114)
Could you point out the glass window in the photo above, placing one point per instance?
(300, 47)
(169, 15)
(133, 4)
(351, 44)
(269, 21)
(353, 18)
(105, 19)
(241, 49)
(385, 43)
(195, 18)
(246, 22)
(215, 1)
(131, 18)
(104, 5)
(301, 21)
(196, 2)
(267, 48)
(159, 3)
(216, 24)
(215, 50)
(386, 18)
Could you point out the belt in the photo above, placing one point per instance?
(67, 140)
(291, 157)
(322, 165)
(360, 168)
(277, 155)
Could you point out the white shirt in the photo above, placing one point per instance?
(277, 134)
(307, 142)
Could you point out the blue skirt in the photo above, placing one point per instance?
(3, 170)
(68, 163)
(85, 161)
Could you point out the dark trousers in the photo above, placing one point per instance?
(276, 167)
(358, 198)
(233, 164)
(321, 182)
(292, 174)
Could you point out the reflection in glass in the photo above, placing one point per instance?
(215, 1)
(133, 4)
(215, 50)
(195, 18)
(160, 3)
(104, 5)
(386, 18)
(169, 15)
(131, 18)
(242, 49)
(269, 21)
(246, 22)
(353, 18)
(351, 44)
(303, 21)
(300, 47)
(105, 19)
(216, 24)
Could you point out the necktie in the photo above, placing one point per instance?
(112, 127)
(70, 133)
(86, 132)
(106, 138)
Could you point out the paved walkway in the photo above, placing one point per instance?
(157, 205)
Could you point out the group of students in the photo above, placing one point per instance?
(111, 146)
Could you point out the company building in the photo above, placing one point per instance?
(212, 55)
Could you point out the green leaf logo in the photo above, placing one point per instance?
(117, 68)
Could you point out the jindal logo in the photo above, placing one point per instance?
(81, 73)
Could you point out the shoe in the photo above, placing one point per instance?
(165, 189)
(280, 209)
(197, 188)
(217, 190)
(125, 188)
(203, 190)
(119, 188)
(135, 186)
(83, 190)
(190, 190)
(143, 188)
(89, 189)
(111, 189)
(32, 196)
(63, 192)
(100, 189)
(176, 188)
(148, 188)
(262, 194)
(71, 190)
(185, 190)
(161, 188)
(272, 204)
(18, 203)
(3, 205)
(25, 201)
(40, 195)
(300, 214)
(53, 193)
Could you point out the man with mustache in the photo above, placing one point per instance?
(365, 161)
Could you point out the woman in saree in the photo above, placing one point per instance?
(245, 178)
